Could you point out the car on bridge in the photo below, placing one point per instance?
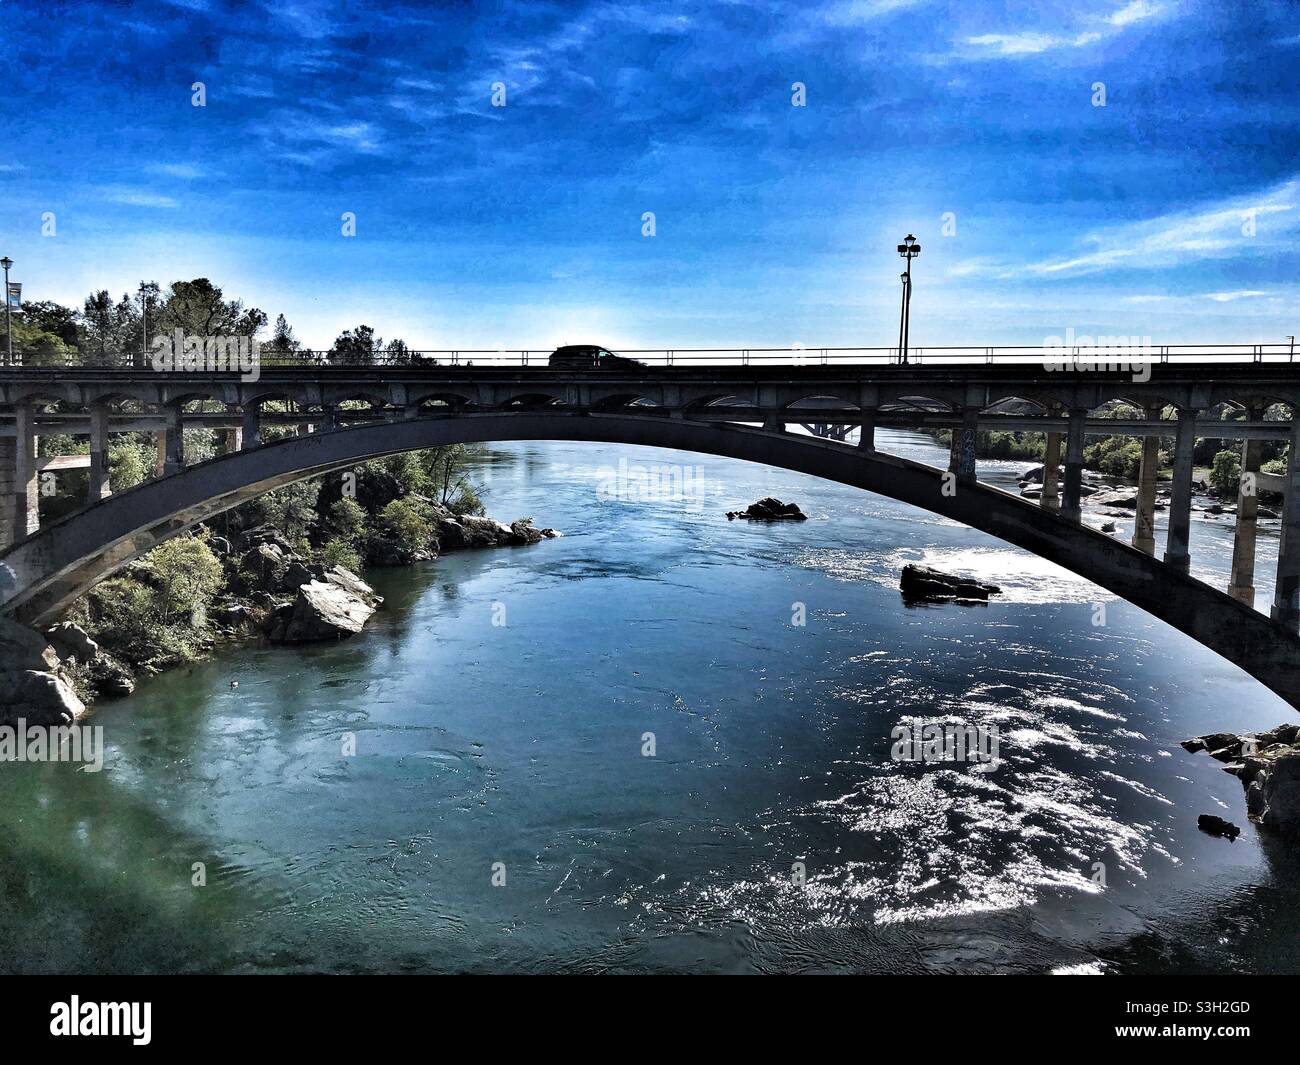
(590, 357)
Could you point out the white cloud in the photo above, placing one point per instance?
(1135, 12)
(1240, 294)
(139, 198)
(1018, 44)
(1186, 236)
(187, 171)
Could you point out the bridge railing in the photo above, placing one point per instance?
(1119, 356)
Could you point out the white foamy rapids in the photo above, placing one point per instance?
(1023, 578)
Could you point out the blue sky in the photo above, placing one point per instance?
(482, 226)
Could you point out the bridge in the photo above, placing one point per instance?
(305, 416)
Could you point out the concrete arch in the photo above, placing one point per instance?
(54, 566)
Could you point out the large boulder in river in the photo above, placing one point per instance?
(769, 508)
(350, 582)
(922, 584)
(1268, 766)
(22, 648)
(321, 611)
(38, 697)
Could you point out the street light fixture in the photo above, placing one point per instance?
(7, 262)
(909, 250)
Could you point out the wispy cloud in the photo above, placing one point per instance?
(1135, 12)
(1240, 294)
(185, 171)
(139, 198)
(1017, 44)
(1231, 228)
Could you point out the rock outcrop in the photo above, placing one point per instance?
(323, 610)
(31, 685)
(769, 509)
(922, 584)
(1268, 766)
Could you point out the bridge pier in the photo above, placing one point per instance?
(99, 487)
(1243, 540)
(251, 432)
(1050, 499)
(1072, 495)
(1178, 543)
(867, 433)
(19, 491)
(1144, 521)
(1286, 592)
(961, 452)
(173, 442)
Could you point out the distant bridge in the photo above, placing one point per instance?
(330, 416)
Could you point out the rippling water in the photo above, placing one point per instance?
(522, 744)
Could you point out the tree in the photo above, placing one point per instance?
(446, 471)
(198, 308)
(338, 552)
(347, 517)
(402, 521)
(1225, 472)
(356, 346)
(48, 317)
(106, 325)
(186, 575)
(292, 509)
(129, 463)
(283, 343)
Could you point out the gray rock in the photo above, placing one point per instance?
(22, 648)
(350, 582)
(39, 697)
(72, 641)
(322, 611)
(769, 508)
(920, 583)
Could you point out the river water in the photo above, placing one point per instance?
(503, 812)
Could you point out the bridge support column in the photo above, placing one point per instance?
(173, 439)
(867, 437)
(1286, 592)
(1144, 521)
(1072, 495)
(331, 418)
(1051, 496)
(1243, 542)
(19, 490)
(98, 488)
(234, 440)
(251, 431)
(774, 424)
(1178, 543)
(961, 455)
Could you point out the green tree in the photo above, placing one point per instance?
(1225, 472)
(357, 345)
(347, 517)
(402, 521)
(186, 574)
(338, 552)
(129, 462)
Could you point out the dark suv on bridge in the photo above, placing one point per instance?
(590, 357)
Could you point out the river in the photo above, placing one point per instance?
(503, 812)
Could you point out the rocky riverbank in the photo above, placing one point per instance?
(268, 591)
(1268, 766)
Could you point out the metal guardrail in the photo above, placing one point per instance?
(1120, 356)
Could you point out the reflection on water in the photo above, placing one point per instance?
(522, 745)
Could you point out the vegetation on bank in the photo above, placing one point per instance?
(168, 606)
(1120, 457)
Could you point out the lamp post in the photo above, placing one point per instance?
(144, 323)
(909, 250)
(7, 262)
